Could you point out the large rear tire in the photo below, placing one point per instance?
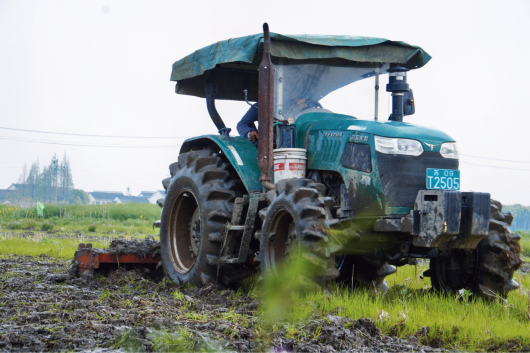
(199, 202)
(487, 270)
(297, 216)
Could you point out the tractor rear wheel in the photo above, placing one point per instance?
(297, 217)
(199, 202)
(487, 270)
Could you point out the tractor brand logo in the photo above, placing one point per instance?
(332, 134)
(359, 138)
(431, 146)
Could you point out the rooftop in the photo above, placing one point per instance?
(127, 199)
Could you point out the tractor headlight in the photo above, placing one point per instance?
(398, 146)
(449, 150)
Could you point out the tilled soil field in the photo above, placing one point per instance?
(42, 308)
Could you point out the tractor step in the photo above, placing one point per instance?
(243, 233)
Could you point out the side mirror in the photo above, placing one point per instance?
(408, 103)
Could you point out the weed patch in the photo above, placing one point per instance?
(46, 227)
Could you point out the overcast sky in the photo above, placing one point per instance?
(103, 67)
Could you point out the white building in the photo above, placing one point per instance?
(103, 197)
(153, 196)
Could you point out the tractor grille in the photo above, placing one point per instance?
(403, 176)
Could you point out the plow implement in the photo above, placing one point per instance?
(130, 254)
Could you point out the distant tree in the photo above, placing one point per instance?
(521, 216)
(52, 183)
(22, 180)
(80, 197)
(45, 184)
(66, 184)
(32, 180)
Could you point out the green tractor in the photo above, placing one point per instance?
(388, 188)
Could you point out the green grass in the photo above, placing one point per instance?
(525, 244)
(35, 245)
(129, 219)
(454, 322)
(180, 340)
(408, 306)
(117, 212)
(470, 325)
(22, 233)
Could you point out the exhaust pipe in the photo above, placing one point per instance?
(265, 112)
(397, 84)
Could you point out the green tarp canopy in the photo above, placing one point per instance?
(232, 64)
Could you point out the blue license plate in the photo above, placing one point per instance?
(443, 179)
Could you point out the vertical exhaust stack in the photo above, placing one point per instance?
(265, 112)
(397, 84)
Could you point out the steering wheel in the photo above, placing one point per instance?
(299, 106)
(312, 104)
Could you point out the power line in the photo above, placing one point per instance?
(83, 165)
(120, 176)
(113, 175)
(72, 134)
(48, 142)
(494, 166)
(494, 159)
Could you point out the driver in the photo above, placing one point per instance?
(246, 126)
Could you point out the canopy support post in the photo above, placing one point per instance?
(211, 93)
(376, 92)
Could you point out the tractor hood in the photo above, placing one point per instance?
(338, 122)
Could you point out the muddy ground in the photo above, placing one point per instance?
(42, 308)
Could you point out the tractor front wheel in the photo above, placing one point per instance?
(487, 270)
(297, 217)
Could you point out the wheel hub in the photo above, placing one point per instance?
(184, 230)
(195, 233)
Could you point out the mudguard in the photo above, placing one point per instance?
(240, 152)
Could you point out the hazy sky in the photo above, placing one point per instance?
(103, 67)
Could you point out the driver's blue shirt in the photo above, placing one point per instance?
(246, 124)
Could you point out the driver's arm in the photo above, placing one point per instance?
(246, 124)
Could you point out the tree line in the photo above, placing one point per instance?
(51, 184)
(521, 216)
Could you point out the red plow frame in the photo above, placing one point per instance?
(90, 259)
